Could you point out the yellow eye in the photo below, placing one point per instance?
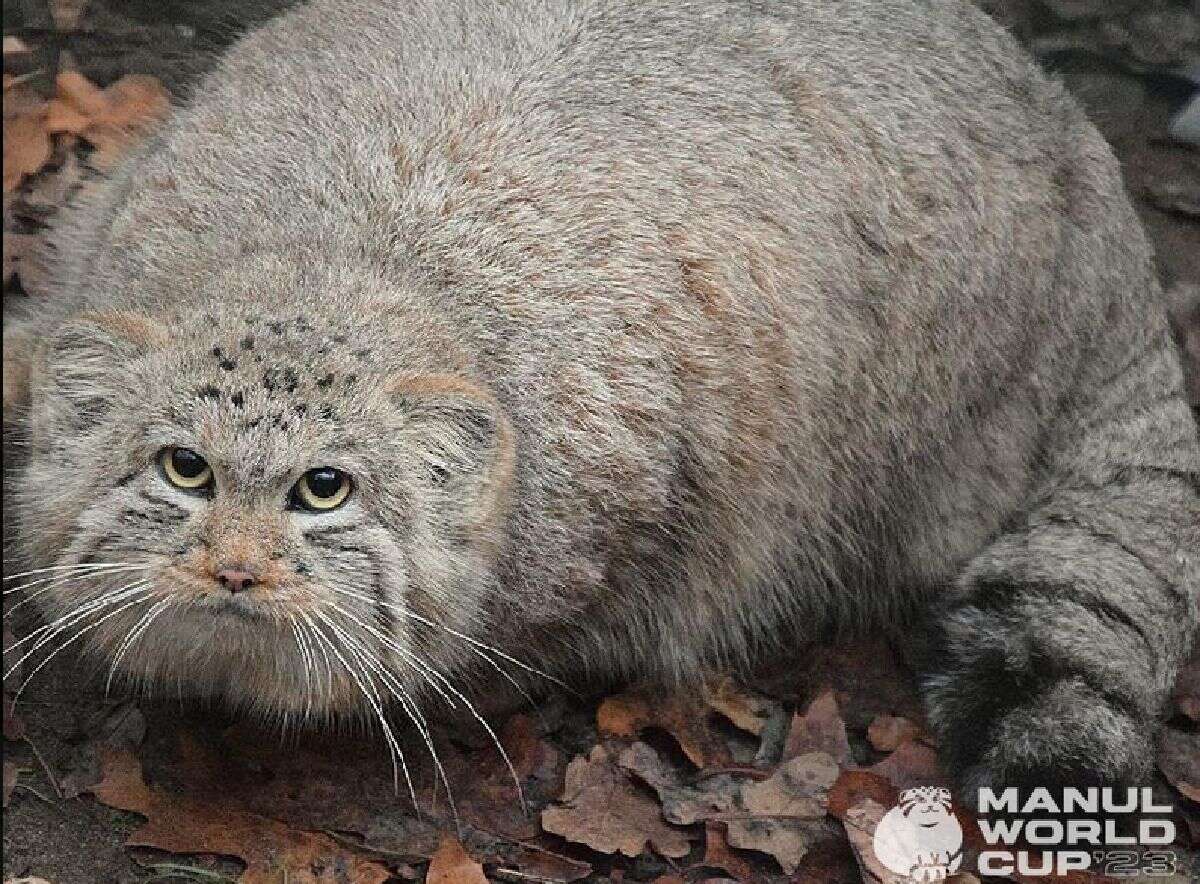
(184, 468)
(321, 489)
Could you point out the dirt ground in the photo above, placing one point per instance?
(79, 840)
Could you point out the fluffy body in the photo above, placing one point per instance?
(656, 336)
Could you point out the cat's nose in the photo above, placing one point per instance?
(236, 578)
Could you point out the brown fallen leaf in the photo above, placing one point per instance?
(785, 812)
(451, 864)
(603, 810)
(744, 709)
(820, 729)
(861, 821)
(719, 855)
(181, 824)
(27, 144)
(110, 119)
(798, 788)
(912, 764)
(626, 715)
(685, 799)
(888, 732)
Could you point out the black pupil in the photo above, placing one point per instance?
(324, 482)
(187, 463)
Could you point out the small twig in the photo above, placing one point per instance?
(514, 875)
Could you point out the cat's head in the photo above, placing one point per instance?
(295, 511)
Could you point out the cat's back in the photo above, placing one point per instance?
(351, 128)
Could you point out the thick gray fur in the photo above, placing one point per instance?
(658, 336)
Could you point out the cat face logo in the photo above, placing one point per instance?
(919, 839)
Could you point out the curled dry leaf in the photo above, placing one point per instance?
(820, 729)
(451, 864)
(744, 709)
(602, 809)
(182, 824)
(626, 715)
(685, 800)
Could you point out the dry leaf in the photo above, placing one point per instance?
(182, 824)
(602, 809)
(887, 732)
(788, 809)
(744, 709)
(683, 801)
(451, 864)
(861, 821)
(718, 855)
(820, 729)
(786, 840)
(111, 119)
(912, 764)
(798, 788)
(626, 715)
(26, 881)
(27, 144)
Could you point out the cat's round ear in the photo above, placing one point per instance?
(76, 369)
(468, 445)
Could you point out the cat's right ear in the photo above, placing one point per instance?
(75, 372)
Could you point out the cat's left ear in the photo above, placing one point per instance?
(75, 374)
(467, 441)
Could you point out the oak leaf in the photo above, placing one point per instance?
(602, 809)
(627, 715)
(182, 824)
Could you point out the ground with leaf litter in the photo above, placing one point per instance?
(781, 775)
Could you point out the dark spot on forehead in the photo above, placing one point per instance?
(351, 379)
(300, 408)
(339, 339)
(325, 381)
(363, 354)
(328, 413)
(275, 326)
(227, 364)
(218, 352)
(208, 391)
(237, 399)
(252, 423)
(280, 378)
(248, 342)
